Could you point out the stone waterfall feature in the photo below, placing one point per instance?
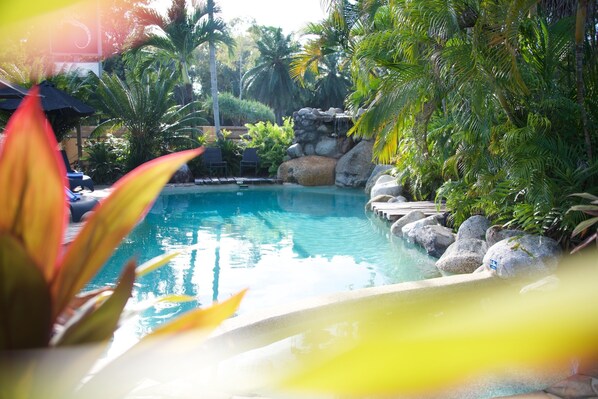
(324, 134)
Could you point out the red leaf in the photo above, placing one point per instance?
(32, 180)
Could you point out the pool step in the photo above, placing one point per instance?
(236, 180)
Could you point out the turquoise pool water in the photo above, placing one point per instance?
(283, 243)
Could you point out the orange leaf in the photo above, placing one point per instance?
(32, 180)
(114, 218)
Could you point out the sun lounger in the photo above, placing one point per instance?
(79, 205)
(77, 180)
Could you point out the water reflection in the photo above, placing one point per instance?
(284, 244)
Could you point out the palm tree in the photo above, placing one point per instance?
(270, 80)
(214, 76)
(179, 33)
(144, 106)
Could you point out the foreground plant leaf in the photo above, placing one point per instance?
(25, 310)
(99, 324)
(32, 180)
(208, 318)
(114, 218)
(175, 344)
(432, 347)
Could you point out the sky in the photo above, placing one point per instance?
(290, 15)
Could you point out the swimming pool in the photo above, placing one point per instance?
(284, 243)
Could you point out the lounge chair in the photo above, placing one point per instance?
(250, 160)
(212, 159)
(79, 205)
(76, 179)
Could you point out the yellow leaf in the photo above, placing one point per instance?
(208, 318)
(113, 219)
(32, 180)
(154, 264)
(431, 345)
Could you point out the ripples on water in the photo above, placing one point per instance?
(284, 243)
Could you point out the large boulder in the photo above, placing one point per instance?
(497, 233)
(410, 230)
(435, 239)
(523, 256)
(413, 216)
(474, 227)
(386, 187)
(354, 168)
(378, 171)
(464, 256)
(183, 175)
(308, 171)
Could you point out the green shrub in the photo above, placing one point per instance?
(271, 142)
(106, 158)
(235, 112)
(231, 153)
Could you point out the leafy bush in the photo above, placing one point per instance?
(231, 152)
(235, 112)
(271, 142)
(106, 158)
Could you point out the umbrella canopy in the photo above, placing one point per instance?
(10, 90)
(53, 99)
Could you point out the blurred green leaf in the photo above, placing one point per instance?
(99, 325)
(25, 312)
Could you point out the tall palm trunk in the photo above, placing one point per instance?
(213, 77)
(187, 86)
(582, 9)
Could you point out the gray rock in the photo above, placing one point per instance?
(379, 198)
(474, 227)
(435, 239)
(295, 151)
(183, 175)
(304, 111)
(413, 216)
(387, 188)
(378, 171)
(354, 168)
(309, 149)
(464, 256)
(523, 256)
(308, 171)
(345, 145)
(410, 230)
(326, 147)
(398, 199)
(323, 129)
(497, 233)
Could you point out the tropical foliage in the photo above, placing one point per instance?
(270, 81)
(174, 37)
(144, 106)
(477, 97)
(271, 141)
(105, 158)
